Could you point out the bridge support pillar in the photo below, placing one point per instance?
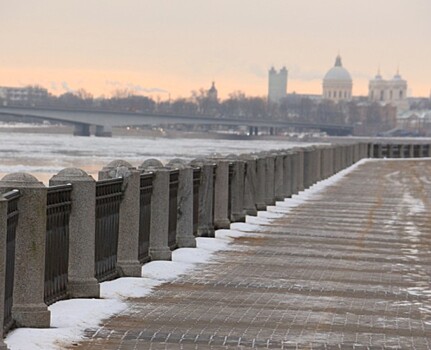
(103, 131)
(81, 130)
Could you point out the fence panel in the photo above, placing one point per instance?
(145, 216)
(12, 222)
(196, 184)
(108, 198)
(57, 242)
(173, 208)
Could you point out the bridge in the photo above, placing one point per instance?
(105, 120)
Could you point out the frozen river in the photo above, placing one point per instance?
(43, 155)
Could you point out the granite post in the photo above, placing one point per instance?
(3, 252)
(270, 178)
(185, 237)
(29, 308)
(300, 169)
(82, 230)
(288, 174)
(261, 183)
(279, 190)
(206, 198)
(249, 184)
(159, 227)
(221, 194)
(237, 206)
(128, 263)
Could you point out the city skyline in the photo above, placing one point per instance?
(166, 48)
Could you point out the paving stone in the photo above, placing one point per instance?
(347, 269)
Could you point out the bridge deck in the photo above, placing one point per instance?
(348, 269)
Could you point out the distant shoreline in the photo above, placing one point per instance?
(158, 133)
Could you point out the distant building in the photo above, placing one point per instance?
(23, 95)
(393, 91)
(337, 83)
(277, 85)
(212, 93)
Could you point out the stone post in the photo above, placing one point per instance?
(295, 171)
(29, 309)
(270, 177)
(159, 227)
(261, 183)
(237, 205)
(249, 184)
(288, 174)
(3, 252)
(82, 232)
(128, 233)
(318, 163)
(206, 198)
(221, 194)
(300, 169)
(185, 237)
(307, 152)
(279, 190)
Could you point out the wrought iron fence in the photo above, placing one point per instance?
(108, 198)
(12, 222)
(145, 216)
(196, 184)
(58, 211)
(173, 208)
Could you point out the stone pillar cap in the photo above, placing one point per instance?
(178, 163)
(248, 156)
(151, 165)
(20, 180)
(117, 164)
(201, 161)
(72, 174)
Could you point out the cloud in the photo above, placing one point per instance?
(139, 88)
(66, 87)
(113, 82)
(54, 86)
(136, 88)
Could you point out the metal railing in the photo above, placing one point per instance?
(173, 208)
(146, 190)
(196, 184)
(12, 221)
(108, 198)
(58, 211)
(399, 150)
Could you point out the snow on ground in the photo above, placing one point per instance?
(70, 318)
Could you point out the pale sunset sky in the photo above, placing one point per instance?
(171, 47)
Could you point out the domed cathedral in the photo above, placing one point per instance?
(337, 83)
(393, 91)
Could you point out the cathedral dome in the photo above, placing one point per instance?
(337, 83)
(338, 72)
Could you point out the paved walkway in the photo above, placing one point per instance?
(349, 269)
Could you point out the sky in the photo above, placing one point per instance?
(168, 48)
